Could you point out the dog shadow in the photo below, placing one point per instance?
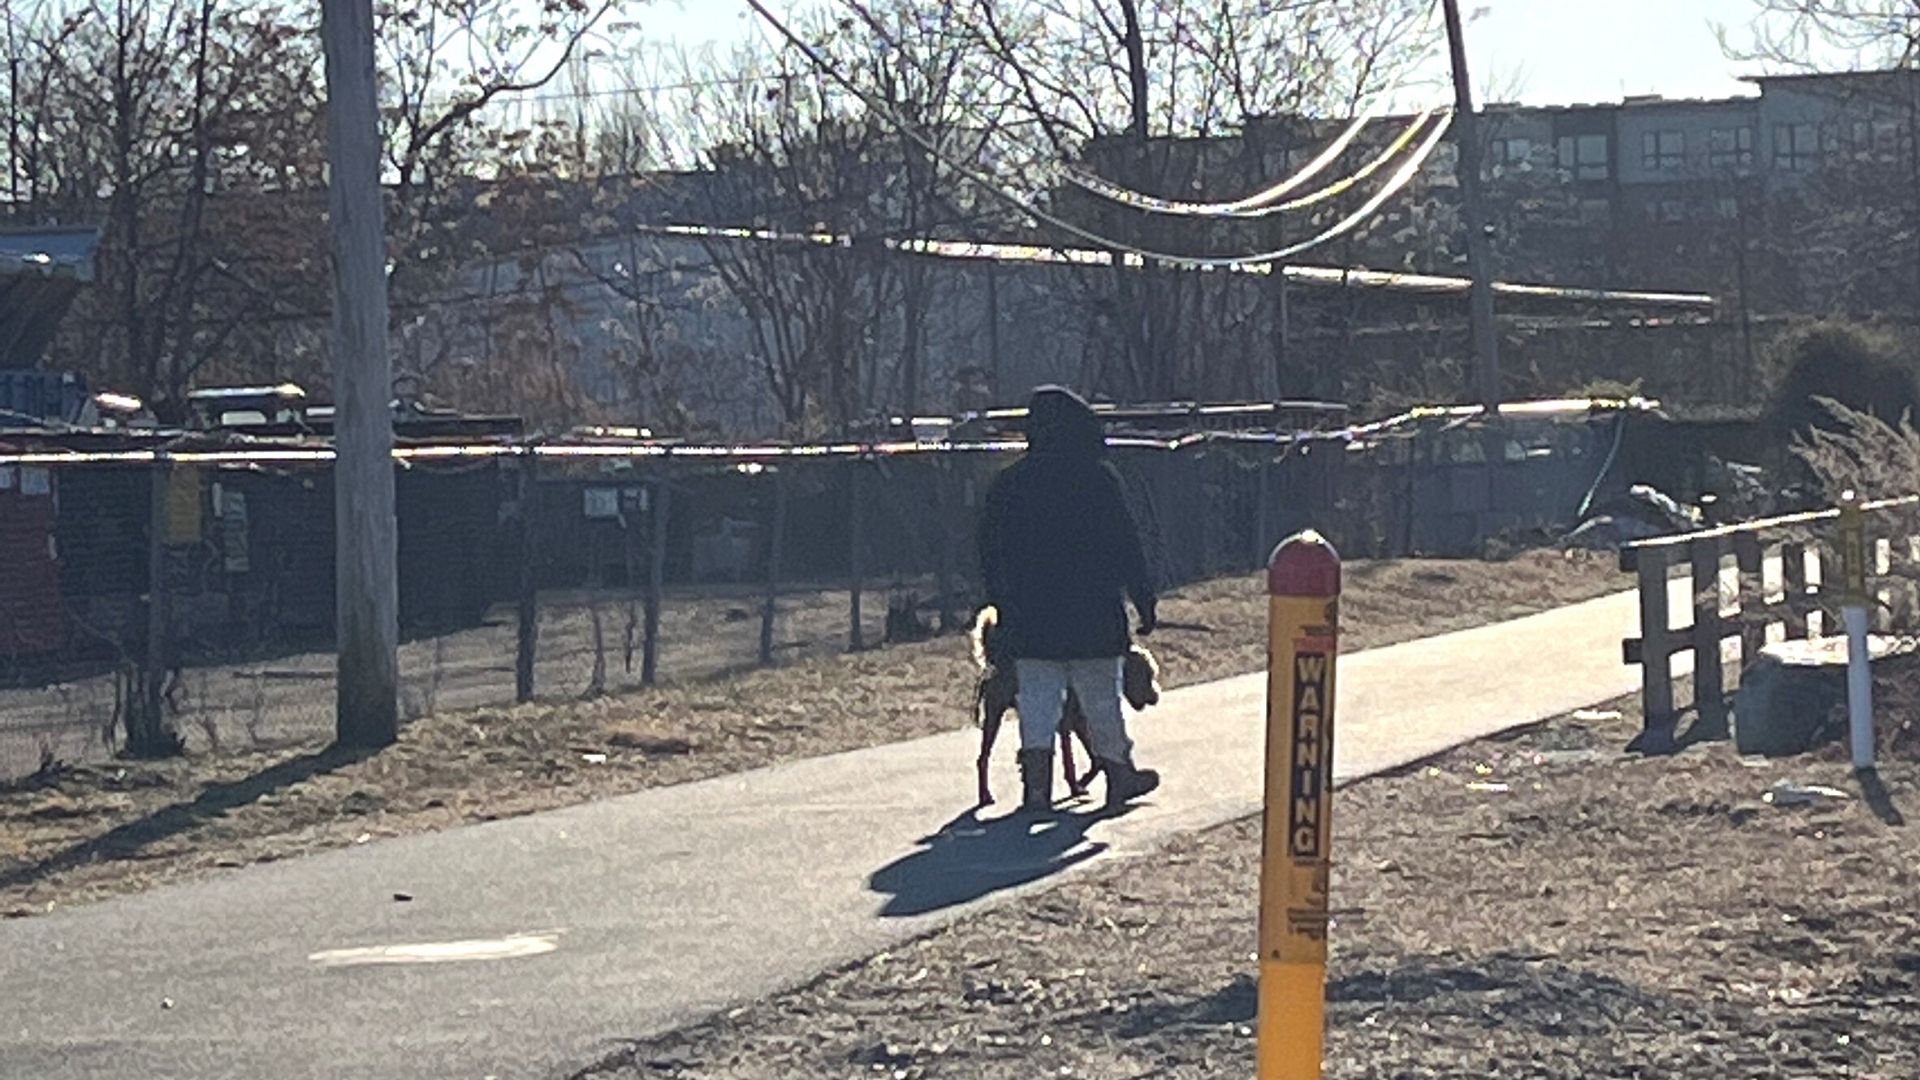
(968, 859)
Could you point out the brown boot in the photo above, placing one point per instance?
(1036, 780)
(1126, 783)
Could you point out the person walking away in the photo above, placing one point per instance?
(1060, 554)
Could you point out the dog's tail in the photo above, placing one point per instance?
(978, 636)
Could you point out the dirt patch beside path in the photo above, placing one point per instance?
(1572, 914)
(79, 834)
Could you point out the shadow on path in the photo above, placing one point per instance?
(968, 859)
(126, 841)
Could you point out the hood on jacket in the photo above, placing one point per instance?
(1060, 422)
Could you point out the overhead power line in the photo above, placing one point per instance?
(1030, 207)
(1045, 255)
(1139, 201)
(1260, 203)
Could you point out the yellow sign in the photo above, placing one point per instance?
(183, 505)
(1296, 866)
(1853, 551)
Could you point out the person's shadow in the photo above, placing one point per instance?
(969, 858)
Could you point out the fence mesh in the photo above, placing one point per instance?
(597, 576)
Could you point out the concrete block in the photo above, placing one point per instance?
(1788, 696)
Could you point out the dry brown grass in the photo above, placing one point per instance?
(1604, 916)
(86, 833)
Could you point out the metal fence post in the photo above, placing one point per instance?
(148, 733)
(527, 634)
(775, 539)
(943, 492)
(656, 581)
(856, 557)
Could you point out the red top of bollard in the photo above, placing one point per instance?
(1304, 564)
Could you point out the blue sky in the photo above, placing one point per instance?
(1554, 51)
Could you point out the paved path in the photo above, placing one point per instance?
(633, 915)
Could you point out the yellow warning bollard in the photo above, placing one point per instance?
(1303, 587)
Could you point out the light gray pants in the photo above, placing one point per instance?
(1043, 697)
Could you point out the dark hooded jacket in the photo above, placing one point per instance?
(1059, 550)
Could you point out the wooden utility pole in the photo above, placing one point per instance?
(1466, 129)
(365, 579)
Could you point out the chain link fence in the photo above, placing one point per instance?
(562, 577)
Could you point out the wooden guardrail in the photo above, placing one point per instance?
(1744, 612)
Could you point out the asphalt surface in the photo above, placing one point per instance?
(530, 947)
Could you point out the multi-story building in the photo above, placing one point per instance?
(1793, 199)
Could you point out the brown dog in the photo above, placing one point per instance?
(999, 688)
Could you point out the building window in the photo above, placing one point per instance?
(1667, 211)
(1796, 147)
(1879, 140)
(1509, 153)
(1585, 156)
(1726, 207)
(1663, 151)
(1730, 148)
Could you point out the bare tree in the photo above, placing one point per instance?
(1184, 99)
(1851, 231)
(449, 66)
(145, 116)
(788, 149)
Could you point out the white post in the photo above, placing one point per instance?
(1853, 566)
(1859, 687)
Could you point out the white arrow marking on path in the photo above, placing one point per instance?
(440, 952)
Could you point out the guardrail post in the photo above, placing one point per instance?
(1709, 633)
(1750, 556)
(1793, 584)
(1655, 656)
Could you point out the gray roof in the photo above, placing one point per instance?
(41, 270)
(56, 251)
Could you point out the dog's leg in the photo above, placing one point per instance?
(1093, 766)
(1074, 784)
(1073, 724)
(993, 712)
(1071, 720)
